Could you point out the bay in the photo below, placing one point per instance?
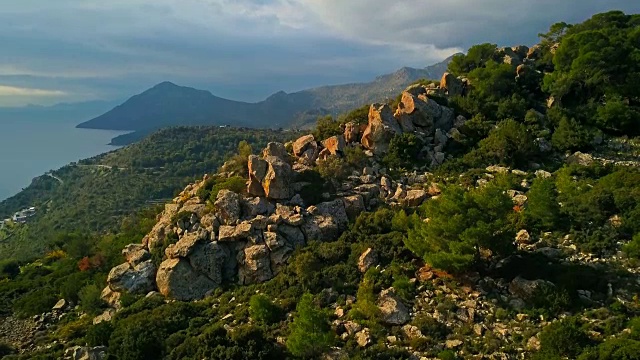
(31, 147)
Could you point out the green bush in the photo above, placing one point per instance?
(509, 144)
(90, 299)
(632, 249)
(9, 268)
(310, 332)
(99, 334)
(461, 223)
(36, 302)
(403, 151)
(565, 338)
(262, 309)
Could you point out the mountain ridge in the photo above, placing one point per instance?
(167, 104)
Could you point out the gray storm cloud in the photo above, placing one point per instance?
(247, 49)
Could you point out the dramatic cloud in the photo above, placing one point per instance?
(17, 91)
(247, 49)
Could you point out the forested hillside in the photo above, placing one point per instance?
(97, 193)
(491, 215)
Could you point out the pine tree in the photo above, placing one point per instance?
(310, 332)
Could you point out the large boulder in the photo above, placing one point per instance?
(186, 244)
(135, 254)
(452, 84)
(278, 181)
(354, 206)
(276, 149)
(353, 132)
(257, 172)
(381, 129)
(134, 280)
(292, 234)
(328, 221)
(394, 311)
(420, 110)
(280, 251)
(255, 265)
(227, 206)
(176, 279)
(257, 206)
(303, 144)
(209, 259)
(415, 198)
(335, 145)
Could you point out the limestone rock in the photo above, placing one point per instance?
(185, 245)
(523, 237)
(177, 280)
(335, 145)
(276, 149)
(209, 259)
(452, 84)
(394, 312)
(381, 129)
(293, 235)
(580, 159)
(257, 206)
(363, 338)
(255, 266)
(227, 206)
(354, 206)
(415, 198)
(134, 280)
(279, 179)
(421, 111)
(329, 220)
(352, 132)
(106, 316)
(86, 353)
(303, 144)
(257, 172)
(112, 298)
(60, 305)
(368, 259)
(135, 254)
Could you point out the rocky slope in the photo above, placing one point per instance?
(247, 239)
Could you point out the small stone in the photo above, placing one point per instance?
(452, 344)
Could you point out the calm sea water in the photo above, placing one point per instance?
(30, 148)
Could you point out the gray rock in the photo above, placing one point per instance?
(255, 265)
(135, 280)
(209, 259)
(368, 259)
(227, 206)
(394, 311)
(354, 206)
(381, 129)
(135, 254)
(176, 279)
(278, 182)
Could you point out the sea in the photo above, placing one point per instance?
(31, 147)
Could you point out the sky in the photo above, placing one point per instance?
(79, 50)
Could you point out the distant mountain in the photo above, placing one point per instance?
(168, 104)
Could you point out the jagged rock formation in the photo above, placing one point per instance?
(248, 239)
